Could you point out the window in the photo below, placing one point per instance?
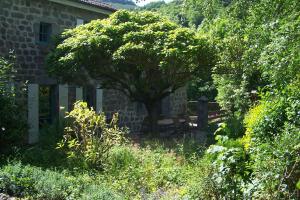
(45, 32)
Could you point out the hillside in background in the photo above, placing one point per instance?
(121, 4)
(173, 10)
(177, 11)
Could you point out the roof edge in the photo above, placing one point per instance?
(106, 10)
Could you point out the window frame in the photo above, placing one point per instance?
(45, 32)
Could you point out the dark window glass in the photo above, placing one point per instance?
(45, 32)
(89, 96)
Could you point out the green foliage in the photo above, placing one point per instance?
(89, 137)
(173, 10)
(154, 171)
(141, 172)
(257, 44)
(273, 138)
(201, 87)
(276, 110)
(32, 182)
(142, 54)
(44, 153)
(231, 167)
(128, 46)
(276, 166)
(232, 127)
(13, 126)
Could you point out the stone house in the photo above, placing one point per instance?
(27, 27)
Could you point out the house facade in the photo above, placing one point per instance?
(28, 27)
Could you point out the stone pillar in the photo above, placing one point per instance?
(202, 120)
(63, 94)
(99, 99)
(79, 22)
(166, 107)
(79, 94)
(33, 113)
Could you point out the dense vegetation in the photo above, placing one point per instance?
(141, 54)
(11, 105)
(257, 45)
(100, 163)
(256, 154)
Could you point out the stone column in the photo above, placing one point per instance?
(166, 107)
(79, 94)
(33, 113)
(79, 22)
(99, 99)
(202, 120)
(63, 94)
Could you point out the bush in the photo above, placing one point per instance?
(231, 127)
(230, 162)
(13, 126)
(89, 138)
(277, 108)
(95, 192)
(272, 139)
(276, 167)
(44, 153)
(147, 173)
(34, 183)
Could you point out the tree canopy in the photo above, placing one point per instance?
(142, 54)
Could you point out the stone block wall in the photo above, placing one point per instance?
(131, 114)
(178, 102)
(19, 31)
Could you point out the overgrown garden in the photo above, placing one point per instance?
(244, 54)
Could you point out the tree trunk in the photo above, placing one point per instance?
(153, 116)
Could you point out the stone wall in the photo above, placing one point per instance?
(19, 31)
(131, 114)
(178, 102)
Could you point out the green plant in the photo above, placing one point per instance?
(231, 127)
(141, 54)
(89, 137)
(44, 153)
(11, 106)
(231, 167)
(276, 166)
(31, 182)
(99, 193)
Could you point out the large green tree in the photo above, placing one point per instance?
(143, 55)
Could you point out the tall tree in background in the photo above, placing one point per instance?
(143, 55)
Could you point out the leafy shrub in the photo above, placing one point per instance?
(223, 171)
(277, 108)
(276, 167)
(14, 180)
(267, 123)
(142, 172)
(231, 164)
(32, 182)
(272, 138)
(11, 106)
(201, 185)
(44, 153)
(95, 192)
(89, 137)
(121, 159)
(231, 127)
